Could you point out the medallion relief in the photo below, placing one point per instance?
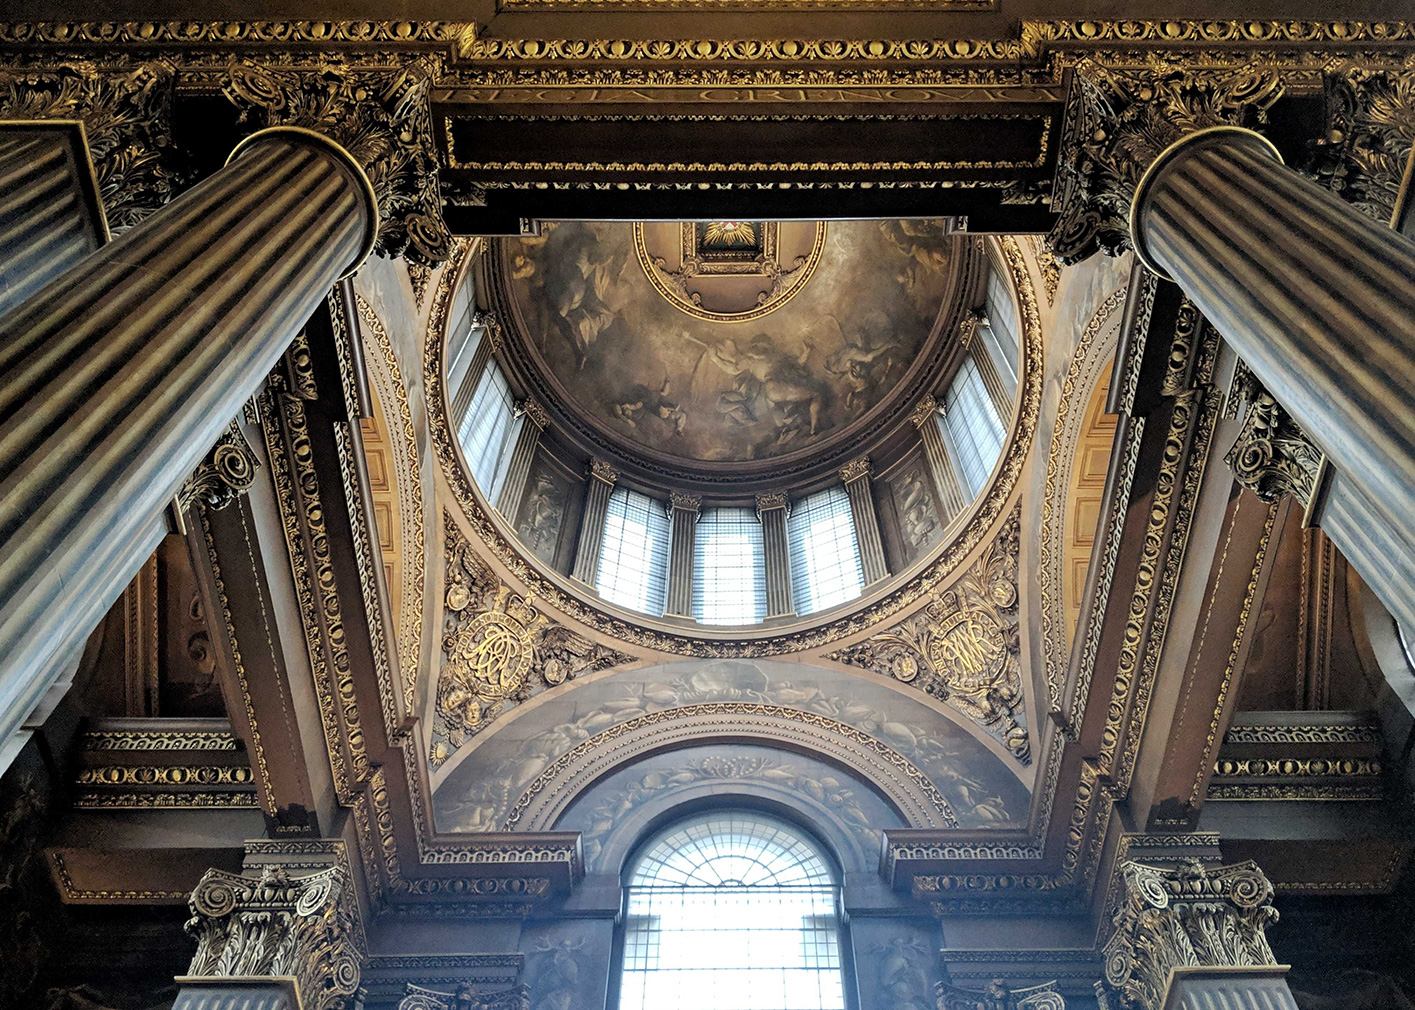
(963, 647)
(497, 650)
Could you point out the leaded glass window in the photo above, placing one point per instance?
(633, 557)
(824, 551)
(732, 911)
(729, 567)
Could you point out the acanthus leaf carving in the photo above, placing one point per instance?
(1189, 916)
(1119, 120)
(963, 647)
(383, 118)
(225, 473)
(1273, 457)
(278, 925)
(1370, 130)
(127, 115)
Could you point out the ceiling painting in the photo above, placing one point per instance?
(730, 341)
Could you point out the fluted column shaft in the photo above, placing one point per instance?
(856, 477)
(601, 485)
(117, 377)
(772, 510)
(1319, 301)
(683, 513)
(49, 211)
(950, 490)
(523, 454)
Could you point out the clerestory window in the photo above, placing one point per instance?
(485, 430)
(729, 567)
(824, 551)
(633, 557)
(732, 911)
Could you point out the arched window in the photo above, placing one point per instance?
(731, 911)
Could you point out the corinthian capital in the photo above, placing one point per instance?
(1188, 917)
(278, 925)
(1273, 456)
(1370, 129)
(1119, 120)
(127, 116)
(382, 117)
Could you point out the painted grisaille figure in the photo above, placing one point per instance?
(706, 504)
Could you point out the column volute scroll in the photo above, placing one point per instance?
(274, 928)
(1179, 930)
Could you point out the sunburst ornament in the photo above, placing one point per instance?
(727, 234)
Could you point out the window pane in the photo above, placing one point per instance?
(486, 430)
(825, 554)
(729, 567)
(732, 911)
(1002, 314)
(970, 420)
(633, 559)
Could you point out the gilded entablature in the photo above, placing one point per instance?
(497, 650)
(963, 647)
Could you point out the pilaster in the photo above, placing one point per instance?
(683, 512)
(856, 477)
(952, 500)
(602, 478)
(534, 420)
(773, 509)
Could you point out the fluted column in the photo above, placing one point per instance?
(773, 509)
(683, 513)
(50, 217)
(1319, 301)
(602, 478)
(116, 378)
(534, 421)
(856, 477)
(1193, 937)
(950, 490)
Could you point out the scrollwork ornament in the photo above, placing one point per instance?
(1191, 916)
(227, 472)
(999, 995)
(1273, 456)
(1119, 120)
(278, 925)
(466, 997)
(382, 117)
(963, 647)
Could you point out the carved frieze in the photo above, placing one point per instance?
(1273, 456)
(383, 118)
(1185, 917)
(498, 650)
(1370, 132)
(277, 925)
(227, 472)
(963, 647)
(1119, 120)
(998, 995)
(126, 112)
(465, 997)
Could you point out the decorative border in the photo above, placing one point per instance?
(676, 299)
